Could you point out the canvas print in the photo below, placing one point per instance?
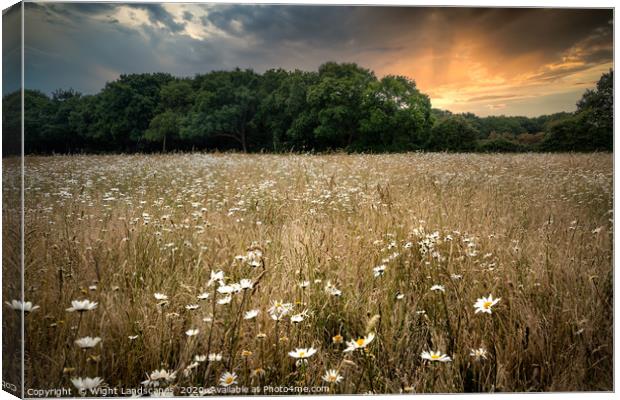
(253, 199)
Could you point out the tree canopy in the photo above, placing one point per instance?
(342, 106)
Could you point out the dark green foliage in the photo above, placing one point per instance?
(338, 107)
(454, 133)
(591, 127)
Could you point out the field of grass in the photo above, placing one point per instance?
(336, 248)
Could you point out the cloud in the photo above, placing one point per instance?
(463, 57)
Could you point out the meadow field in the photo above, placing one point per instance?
(317, 273)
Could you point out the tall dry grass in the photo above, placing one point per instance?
(533, 230)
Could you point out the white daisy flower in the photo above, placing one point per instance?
(359, 343)
(332, 376)
(379, 271)
(251, 314)
(192, 332)
(18, 305)
(438, 288)
(246, 284)
(191, 307)
(203, 296)
(82, 306)
(478, 354)
(302, 353)
(225, 300)
(484, 304)
(160, 297)
(87, 342)
(228, 379)
(435, 356)
(215, 357)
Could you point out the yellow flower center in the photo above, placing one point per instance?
(302, 354)
(360, 341)
(435, 356)
(487, 304)
(230, 380)
(331, 378)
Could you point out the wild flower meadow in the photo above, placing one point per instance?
(409, 273)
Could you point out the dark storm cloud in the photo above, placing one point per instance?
(158, 14)
(83, 45)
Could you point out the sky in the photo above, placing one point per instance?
(486, 61)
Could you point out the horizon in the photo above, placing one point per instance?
(487, 61)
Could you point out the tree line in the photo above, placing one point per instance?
(342, 106)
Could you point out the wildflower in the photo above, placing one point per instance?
(191, 307)
(258, 372)
(82, 306)
(332, 290)
(225, 289)
(484, 304)
(87, 342)
(203, 296)
(228, 379)
(192, 332)
(200, 358)
(134, 337)
(478, 354)
(246, 353)
(399, 296)
(379, 271)
(279, 310)
(84, 384)
(337, 339)
(297, 318)
(251, 314)
(435, 356)
(217, 276)
(359, 343)
(437, 288)
(246, 284)
(302, 353)
(456, 276)
(304, 284)
(158, 377)
(215, 357)
(160, 297)
(332, 376)
(18, 305)
(225, 300)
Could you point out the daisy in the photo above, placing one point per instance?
(337, 339)
(435, 356)
(478, 354)
(192, 332)
(217, 276)
(160, 297)
(158, 377)
(228, 379)
(225, 289)
(225, 300)
(484, 304)
(84, 384)
(379, 271)
(332, 376)
(302, 353)
(200, 358)
(438, 288)
(304, 284)
(359, 343)
(18, 305)
(333, 291)
(87, 342)
(251, 314)
(191, 307)
(82, 306)
(203, 296)
(399, 296)
(246, 284)
(215, 357)
(132, 337)
(297, 318)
